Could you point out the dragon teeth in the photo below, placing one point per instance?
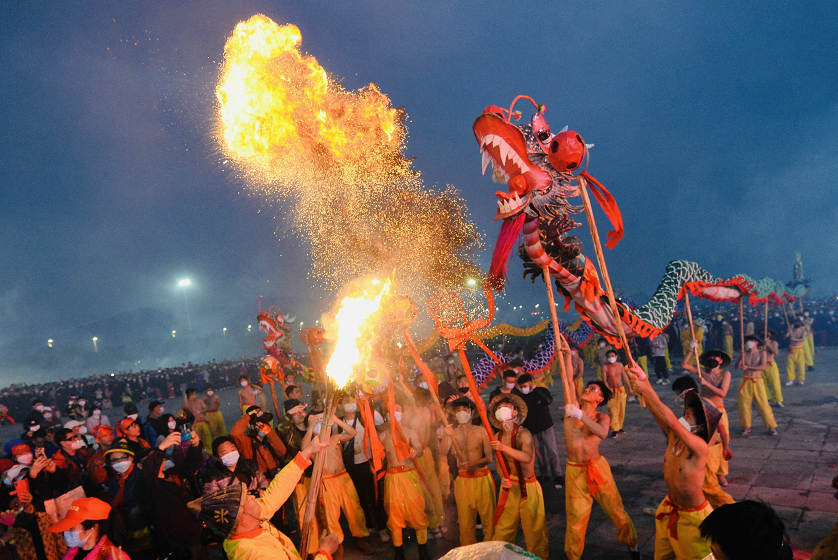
(487, 159)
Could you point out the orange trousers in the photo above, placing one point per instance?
(405, 504)
(475, 495)
(339, 494)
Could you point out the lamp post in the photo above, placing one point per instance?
(184, 284)
(95, 347)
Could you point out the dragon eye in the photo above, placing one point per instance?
(544, 135)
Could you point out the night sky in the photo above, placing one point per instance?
(716, 128)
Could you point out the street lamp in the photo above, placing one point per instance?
(249, 327)
(185, 283)
(49, 343)
(95, 347)
(224, 330)
(174, 333)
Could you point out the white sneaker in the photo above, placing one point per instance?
(789, 383)
(659, 382)
(666, 381)
(781, 405)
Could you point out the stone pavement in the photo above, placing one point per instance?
(792, 472)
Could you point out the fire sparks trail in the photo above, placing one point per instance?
(297, 136)
(351, 316)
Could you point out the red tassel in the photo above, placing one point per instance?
(510, 231)
(609, 206)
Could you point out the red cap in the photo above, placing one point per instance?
(122, 424)
(21, 449)
(101, 430)
(85, 509)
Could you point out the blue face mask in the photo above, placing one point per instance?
(72, 539)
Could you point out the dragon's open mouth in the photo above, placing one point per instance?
(510, 204)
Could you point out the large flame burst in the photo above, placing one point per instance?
(352, 318)
(337, 156)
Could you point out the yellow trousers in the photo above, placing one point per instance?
(712, 489)
(599, 372)
(300, 495)
(752, 391)
(405, 504)
(666, 357)
(475, 495)
(216, 424)
(676, 532)
(432, 492)
(771, 378)
(584, 483)
(809, 349)
(728, 345)
(339, 494)
(203, 431)
(580, 386)
(617, 409)
(643, 361)
(796, 361)
(529, 514)
(444, 476)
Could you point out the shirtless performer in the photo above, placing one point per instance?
(771, 375)
(213, 414)
(613, 374)
(403, 498)
(588, 476)
(338, 490)
(719, 447)
(474, 488)
(797, 359)
(420, 420)
(685, 507)
(715, 383)
(196, 406)
(752, 389)
(525, 502)
(247, 397)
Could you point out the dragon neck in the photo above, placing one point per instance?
(532, 244)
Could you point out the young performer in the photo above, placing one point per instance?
(614, 375)
(752, 388)
(771, 375)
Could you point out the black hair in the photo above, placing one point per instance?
(747, 529)
(611, 352)
(422, 396)
(164, 421)
(103, 527)
(37, 401)
(524, 378)
(684, 383)
(606, 392)
(461, 376)
(191, 391)
(698, 413)
(244, 376)
(289, 389)
(509, 373)
(216, 443)
(62, 435)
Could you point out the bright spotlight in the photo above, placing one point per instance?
(185, 282)
(471, 282)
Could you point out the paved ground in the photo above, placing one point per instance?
(792, 472)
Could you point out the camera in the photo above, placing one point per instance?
(261, 418)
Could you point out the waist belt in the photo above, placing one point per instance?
(673, 515)
(400, 469)
(772, 362)
(474, 474)
(593, 477)
(526, 480)
(344, 473)
(748, 378)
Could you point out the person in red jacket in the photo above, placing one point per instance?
(256, 440)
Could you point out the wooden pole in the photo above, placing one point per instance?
(786, 315)
(692, 330)
(741, 328)
(589, 212)
(766, 319)
(567, 383)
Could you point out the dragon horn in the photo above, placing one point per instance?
(260, 304)
(539, 108)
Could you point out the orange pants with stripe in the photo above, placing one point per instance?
(712, 489)
(676, 532)
(716, 450)
(475, 493)
(405, 504)
(339, 494)
(529, 514)
(584, 483)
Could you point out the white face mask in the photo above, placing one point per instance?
(162, 410)
(750, 344)
(525, 390)
(25, 459)
(210, 393)
(47, 415)
(504, 414)
(172, 424)
(121, 467)
(316, 429)
(602, 345)
(82, 430)
(510, 386)
(423, 385)
(378, 419)
(398, 416)
(243, 383)
(230, 459)
(97, 413)
(133, 416)
(463, 417)
(77, 444)
(349, 408)
(255, 392)
(686, 424)
(612, 359)
(82, 403)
